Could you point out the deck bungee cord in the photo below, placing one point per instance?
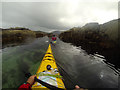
(47, 74)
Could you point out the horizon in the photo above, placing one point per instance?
(56, 16)
(56, 30)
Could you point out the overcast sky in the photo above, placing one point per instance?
(49, 16)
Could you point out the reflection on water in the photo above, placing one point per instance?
(76, 66)
(89, 71)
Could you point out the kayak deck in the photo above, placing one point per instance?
(48, 72)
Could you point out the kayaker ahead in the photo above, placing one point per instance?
(31, 81)
(54, 39)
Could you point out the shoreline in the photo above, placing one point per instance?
(18, 36)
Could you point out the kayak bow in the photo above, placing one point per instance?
(48, 72)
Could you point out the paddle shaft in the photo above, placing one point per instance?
(43, 83)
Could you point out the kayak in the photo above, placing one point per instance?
(54, 41)
(48, 72)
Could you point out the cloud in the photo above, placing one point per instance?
(32, 14)
(58, 0)
(47, 16)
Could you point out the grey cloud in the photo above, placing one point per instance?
(34, 14)
(46, 15)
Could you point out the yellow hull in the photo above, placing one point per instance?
(43, 71)
(54, 41)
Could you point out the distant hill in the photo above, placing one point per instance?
(56, 32)
(111, 29)
(91, 26)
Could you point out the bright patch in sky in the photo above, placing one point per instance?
(80, 13)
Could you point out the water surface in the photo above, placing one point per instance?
(76, 66)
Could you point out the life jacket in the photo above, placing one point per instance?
(53, 38)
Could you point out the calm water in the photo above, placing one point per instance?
(76, 66)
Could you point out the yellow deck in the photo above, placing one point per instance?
(48, 60)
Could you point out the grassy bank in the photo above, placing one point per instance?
(13, 36)
(19, 35)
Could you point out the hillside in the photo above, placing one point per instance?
(111, 29)
(96, 38)
(56, 32)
